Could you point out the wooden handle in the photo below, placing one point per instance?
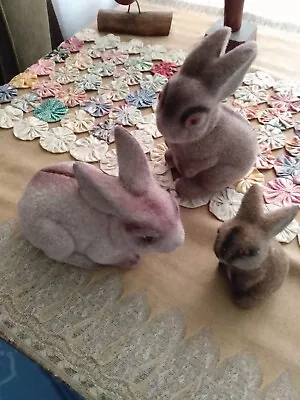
(150, 23)
(233, 14)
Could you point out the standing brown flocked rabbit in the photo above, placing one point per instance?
(210, 145)
(253, 259)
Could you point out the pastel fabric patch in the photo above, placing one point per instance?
(141, 63)
(27, 102)
(47, 89)
(114, 56)
(259, 78)
(149, 124)
(274, 116)
(153, 51)
(57, 140)
(7, 93)
(24, 80)
(145, 140)
(134, 46)
(174, 57)
(51, 110)
(290, 232)
(109, 41)
(8, 116)
(89, 149)
(282, 191)
(88, 82)
(30, 128)
(247, 110)
(157, 157)
(265, 158)
(167, 69)
(87, 35)
(226, 204)
(73, 44)
(285, 102)
(292, 146)
(131, 76)
(58, 55)
(116, 91)
(271, 137)
(253, 177)
(194, 203)
(109, 164)
(251, 94)
(97, 106)
(288, 167)
(106, 68)
(286, 86)
(65, 75)
(72, 97)
(78, 122)
(126, 115)
(105, 130)
(141, 98)
(154, 82)
(42, 67)
(81, 61)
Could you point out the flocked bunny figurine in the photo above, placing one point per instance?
(78, 215)
(210, 144)
(254, 261)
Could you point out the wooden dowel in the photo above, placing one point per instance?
(150, 23)
(233, 14)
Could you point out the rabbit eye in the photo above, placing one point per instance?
(243, 253)
(148, 239)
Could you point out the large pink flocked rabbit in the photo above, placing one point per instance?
(78, 215)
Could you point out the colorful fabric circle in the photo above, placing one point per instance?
(141, 98)
(97, 106)
(28, 102)
(51, 110)
(24, 80)
(166, 69)
(47, 88)
(42, 67)
(7, 93)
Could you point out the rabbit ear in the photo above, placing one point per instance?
(210, 48)
(276, 221)
(134, 171)
(99, 190)
(229, 70)
(251, 208)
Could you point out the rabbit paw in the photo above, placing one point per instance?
(169, 159)
(130, 262)
(187, 189)
(246, 301)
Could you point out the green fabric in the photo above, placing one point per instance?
(24, 35)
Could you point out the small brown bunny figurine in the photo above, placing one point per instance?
(253, 259)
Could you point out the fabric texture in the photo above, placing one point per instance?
(28, 30)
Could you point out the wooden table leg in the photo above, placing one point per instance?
(242, 31)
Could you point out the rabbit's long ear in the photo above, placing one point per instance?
(276, 221)
(134, 172)
(210, 48)
(99, 190)
(229, 70)
(251, 208)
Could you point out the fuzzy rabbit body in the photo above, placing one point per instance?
(78, 215)
(210, 144)
(254, 261)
